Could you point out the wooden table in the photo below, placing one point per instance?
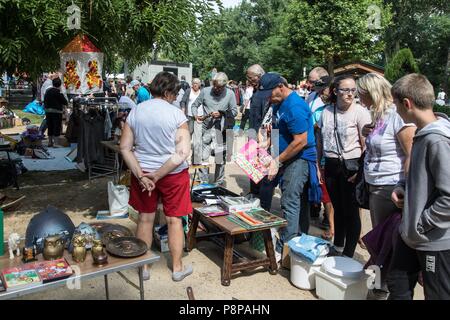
(83, 271)
(229, 230)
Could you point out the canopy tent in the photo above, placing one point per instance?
(82, 63)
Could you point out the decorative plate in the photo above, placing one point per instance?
(126, 247)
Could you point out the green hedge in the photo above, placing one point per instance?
(442, 109)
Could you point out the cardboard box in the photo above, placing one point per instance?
(285, 258)
(161, 241)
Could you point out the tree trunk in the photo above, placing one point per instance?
(330, 62)
(125, 67)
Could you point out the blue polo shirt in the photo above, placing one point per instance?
(293, 116)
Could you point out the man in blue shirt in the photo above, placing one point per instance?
(294, 153)
(142, 94)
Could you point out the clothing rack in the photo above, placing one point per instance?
(106, 163)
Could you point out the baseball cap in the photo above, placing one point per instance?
(134, 83)
(322, 83)
(270, 81)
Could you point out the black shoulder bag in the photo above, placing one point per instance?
(350, 166)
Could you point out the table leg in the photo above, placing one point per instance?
(141, 283)
(193, 179)
(192, 231)
(270, 251)
(227, 260)
(106, 287)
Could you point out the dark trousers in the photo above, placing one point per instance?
(347, 222)
(404, 273)
(54, 123)
(264, 191)
(245, 117)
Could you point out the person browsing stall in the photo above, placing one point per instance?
(295, 153)
(155, 144)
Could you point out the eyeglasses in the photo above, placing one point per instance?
(347, 91)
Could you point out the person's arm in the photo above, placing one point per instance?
(437, 215)
(182, 151)
(298, 143)
(126, 149)
(405, 137)
(232, 107)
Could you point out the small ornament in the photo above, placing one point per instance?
(29, 254)
(13, 245)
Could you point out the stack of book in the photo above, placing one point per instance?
(34, 274)
(255, 218)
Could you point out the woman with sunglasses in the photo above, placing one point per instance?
(342, 144)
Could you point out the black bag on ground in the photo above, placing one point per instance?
(6, 174)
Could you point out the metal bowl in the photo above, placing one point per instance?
(126, 247)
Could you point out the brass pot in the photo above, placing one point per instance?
(79, 248)
(98, 253)
(53, 247)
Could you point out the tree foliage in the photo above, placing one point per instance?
(335, 30)
(401, 64)
(33, 31)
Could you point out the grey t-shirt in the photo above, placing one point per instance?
(154, 124)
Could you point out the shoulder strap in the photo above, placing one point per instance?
(336, 135)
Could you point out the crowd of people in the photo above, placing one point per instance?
(330, 139)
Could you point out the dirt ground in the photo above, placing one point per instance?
(71, 192)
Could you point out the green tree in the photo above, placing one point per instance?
(401, 64)
(333, 31)
(32, 32)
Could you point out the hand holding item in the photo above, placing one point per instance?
(273, 169)
(215, 114)
(367, 129)
(398, 197)
(199, 119)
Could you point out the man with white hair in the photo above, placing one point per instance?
(314, 101)
(218, 102)
(141, 93)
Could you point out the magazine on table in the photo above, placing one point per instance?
(20, 277)
(53, 270)
(253, 160)
(212, 211)
(256, 218)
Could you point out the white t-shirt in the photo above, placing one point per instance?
(192, 97)
(441, 95)
(154, 125)
(383, 164)
(349, 128)
(314, 101)
(247, 96)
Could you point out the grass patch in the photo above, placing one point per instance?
(34, 118)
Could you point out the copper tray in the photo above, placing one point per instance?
(126, 247)
(110, 231)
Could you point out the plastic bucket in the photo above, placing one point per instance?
(302, 271)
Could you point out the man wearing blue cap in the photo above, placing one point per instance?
(294, 162)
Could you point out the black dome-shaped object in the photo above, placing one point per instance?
(51, 221)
